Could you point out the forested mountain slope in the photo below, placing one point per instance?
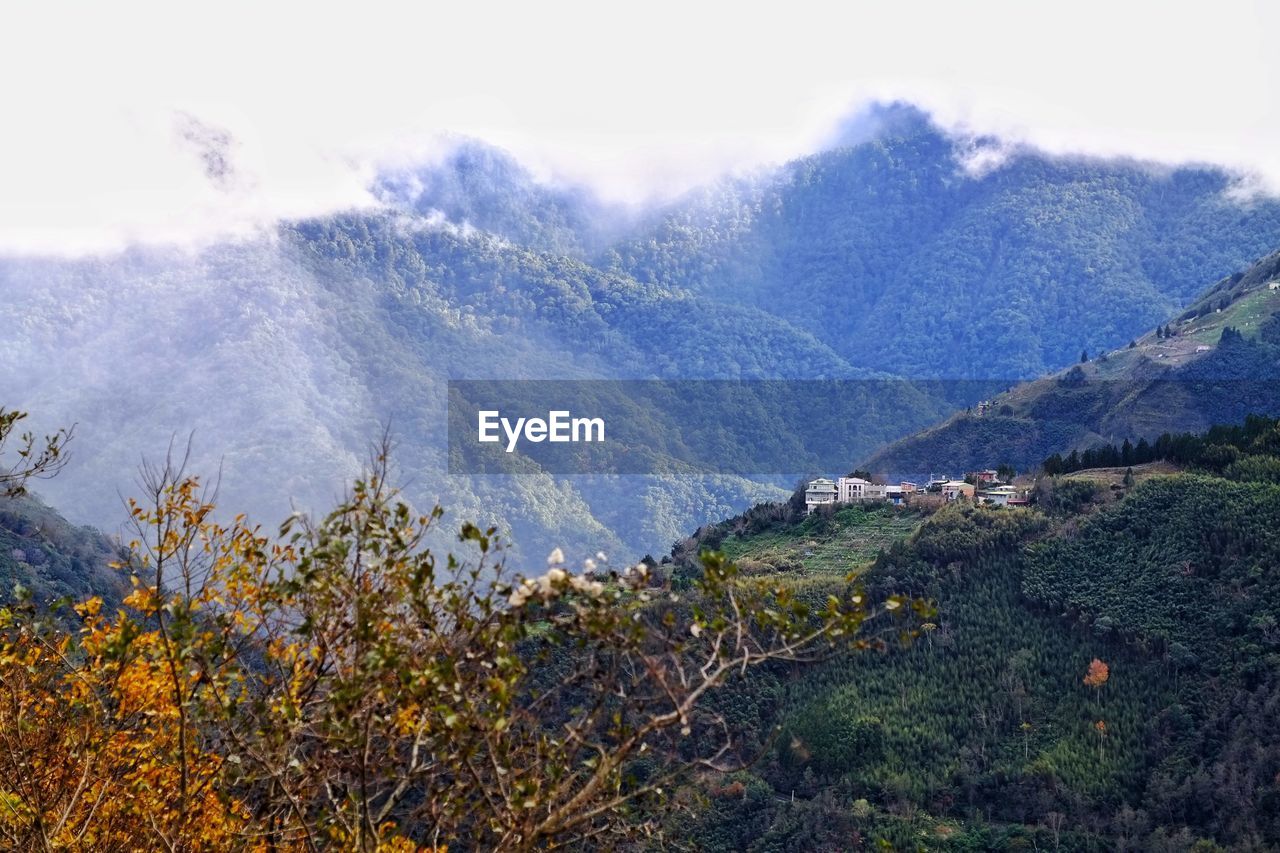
(899, 249)
(487, 189)
(1100, 675)
(285, 357)
(887, 255)
(1218, 360)
(50, 559)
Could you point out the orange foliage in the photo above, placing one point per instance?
(99, 744)
(1097, 675)
(88, 752)
(334, 688)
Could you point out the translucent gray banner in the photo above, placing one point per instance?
(788, 427)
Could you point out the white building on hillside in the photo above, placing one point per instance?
(850, 490)
(999, 495)
(820, 492)
(854, 489)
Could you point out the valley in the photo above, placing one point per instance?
(880, 259)
(1090, 669)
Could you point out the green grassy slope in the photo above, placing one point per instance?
(846, 542)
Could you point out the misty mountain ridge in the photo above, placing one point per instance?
(888, 256)
(485, 187)
(901, 226)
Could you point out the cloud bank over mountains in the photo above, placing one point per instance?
(146, 125)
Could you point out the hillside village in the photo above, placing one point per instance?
(982, 487)
(1240, 302)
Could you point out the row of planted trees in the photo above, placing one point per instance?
(1213, 450)
(338, 686)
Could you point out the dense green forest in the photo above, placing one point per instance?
(890, 253)
(1101, 675)
(1235, 452)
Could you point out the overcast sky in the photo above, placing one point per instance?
(115, 115)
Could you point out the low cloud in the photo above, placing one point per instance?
(147, 125)
(101, 180)
(214, 146)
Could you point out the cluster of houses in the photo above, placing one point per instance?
(979, 487)
(848, 490)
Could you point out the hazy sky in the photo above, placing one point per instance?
(116, 117)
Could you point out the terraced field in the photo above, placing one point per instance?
(844, 543)
(1108, 477)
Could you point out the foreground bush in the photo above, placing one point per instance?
(339, 686)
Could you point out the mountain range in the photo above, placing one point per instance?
(906, 252)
